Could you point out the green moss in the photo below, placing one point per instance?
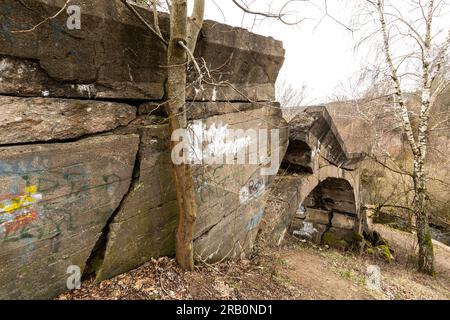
(328, 239)
(385, 252)
(369, 250)
(428, 240)
(357, 237)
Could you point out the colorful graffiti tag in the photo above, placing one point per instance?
(17, 211)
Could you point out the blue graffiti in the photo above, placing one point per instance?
(255, 220)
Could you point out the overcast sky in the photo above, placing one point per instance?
(319, 52)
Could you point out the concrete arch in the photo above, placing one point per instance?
(316, 154)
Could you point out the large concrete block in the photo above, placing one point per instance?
(55, 200)
(317, 216)
(343, 221)
(145, 225)
(313, 134)
(234, 235)
(245, 65)
(229, 196)
(44, 119)
(308, 230)
(113, 55)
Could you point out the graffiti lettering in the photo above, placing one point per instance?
(254, 189)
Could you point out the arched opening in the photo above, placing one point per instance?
(328, 215)
(298, 157)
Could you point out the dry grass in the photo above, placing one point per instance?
(295, 271)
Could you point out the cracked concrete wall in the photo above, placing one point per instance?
(85, 167)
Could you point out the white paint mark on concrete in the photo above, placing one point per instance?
(86, 89)
(214, 96)
(307, 231)
(4, 64)
(217, 141)
(373, 278)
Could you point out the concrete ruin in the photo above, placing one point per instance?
(85, 163)
(316, 193)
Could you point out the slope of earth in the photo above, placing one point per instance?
(297, 270)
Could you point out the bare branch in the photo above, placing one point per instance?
(152, 29)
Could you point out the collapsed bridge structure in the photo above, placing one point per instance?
(316, 193)
(85, 163)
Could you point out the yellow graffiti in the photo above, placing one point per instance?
(17, 202)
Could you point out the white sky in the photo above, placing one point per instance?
(319, 52)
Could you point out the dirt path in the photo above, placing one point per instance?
(331, 274)
(295, 271)
(313, 275)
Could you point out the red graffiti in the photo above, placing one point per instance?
(19, 222)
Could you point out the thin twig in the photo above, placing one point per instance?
(138, 15)
(43, 21)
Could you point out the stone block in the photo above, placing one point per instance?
(45, 119)
(114, 56)
(55, 201)
(145, 225)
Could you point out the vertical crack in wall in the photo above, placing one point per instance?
(95, 260)
(329, 225)
(320, 203)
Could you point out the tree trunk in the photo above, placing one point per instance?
(176, 96)
(426, 251)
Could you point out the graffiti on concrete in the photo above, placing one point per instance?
(254, 221)
(252, 190)
(307, 231)
(25, 214)
(17, 211)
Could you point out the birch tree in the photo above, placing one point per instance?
(415, 51)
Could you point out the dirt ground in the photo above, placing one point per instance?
(297, 270)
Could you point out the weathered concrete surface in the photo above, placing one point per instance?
(281, 207)
(55, 200)
(205, 109)
(318, 195)
(334, 195)
(343, 221)
(313, 134)
(290, 192)
(231, 198)
(324, 226)
(114, 56)
(246, 65)
(44, 119)
(145, 225)
(313, 215)
(111, 56)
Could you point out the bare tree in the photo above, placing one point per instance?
(291, 99)
(415, 49)
(183, 36)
